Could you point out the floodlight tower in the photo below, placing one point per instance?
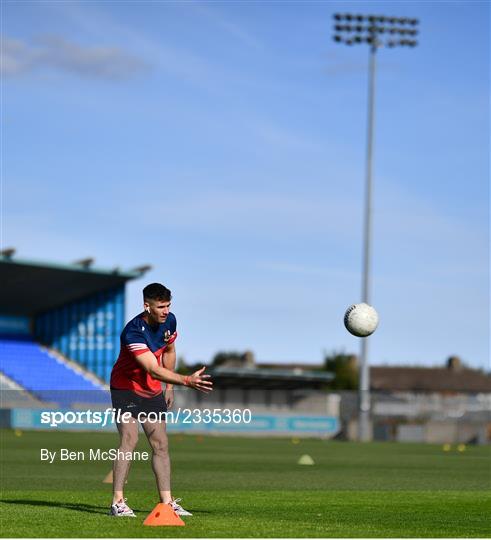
(353, 29)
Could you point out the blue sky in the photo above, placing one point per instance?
(224, 143)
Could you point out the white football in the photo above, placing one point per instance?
(361, 320)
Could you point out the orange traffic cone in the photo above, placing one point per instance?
(163, 514)
(109, 478)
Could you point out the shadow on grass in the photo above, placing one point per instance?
(80, 507)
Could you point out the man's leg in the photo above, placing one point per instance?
(128, 433)
(157, 437)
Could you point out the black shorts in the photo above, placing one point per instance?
(128, 401)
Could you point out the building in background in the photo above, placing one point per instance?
(435, 405)
(448, 404)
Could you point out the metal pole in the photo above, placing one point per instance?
(364, 384)
(350, 32)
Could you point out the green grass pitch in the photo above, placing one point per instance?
(244, 487)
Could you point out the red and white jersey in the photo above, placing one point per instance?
(136, 338)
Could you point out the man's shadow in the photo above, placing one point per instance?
(80, 507)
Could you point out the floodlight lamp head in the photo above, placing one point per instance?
(142, 269)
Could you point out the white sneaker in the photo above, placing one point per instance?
(178, 509)
(121, 509)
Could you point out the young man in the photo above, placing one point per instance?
(148, 358)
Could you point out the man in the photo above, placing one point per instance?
(148, 358)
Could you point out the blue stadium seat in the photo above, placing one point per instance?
(45, 376)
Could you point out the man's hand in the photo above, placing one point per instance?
(169, 397)
(198, 381)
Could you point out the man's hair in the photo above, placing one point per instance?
(156, 291)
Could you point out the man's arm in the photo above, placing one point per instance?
(169, 362)
(197, 380)
(169, 359)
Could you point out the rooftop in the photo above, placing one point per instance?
(30, 287)
(267, 378)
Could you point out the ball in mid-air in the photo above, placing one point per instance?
(361, 320)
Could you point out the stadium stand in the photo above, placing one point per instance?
(45, 376)
(59, 345)
(13, 395)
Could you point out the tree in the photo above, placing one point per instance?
(345, 370)
(182, 367)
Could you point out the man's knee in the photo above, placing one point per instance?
(160, 446)
(129, 440)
